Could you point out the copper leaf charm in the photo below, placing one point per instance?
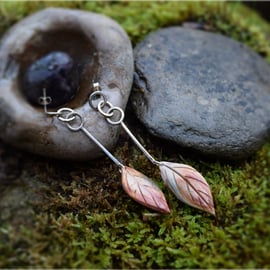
(188, 185)
(143, 190)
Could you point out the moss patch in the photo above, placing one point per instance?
(85, 220)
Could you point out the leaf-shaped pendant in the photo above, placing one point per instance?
(188, 185)
(143, 190)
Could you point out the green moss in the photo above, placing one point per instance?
(89, 222)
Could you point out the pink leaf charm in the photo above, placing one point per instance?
(188, 185)
(143, 190)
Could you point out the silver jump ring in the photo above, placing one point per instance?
(94, 96)
(100, 107)
(79, 118)
(70, 116)
(122, 115)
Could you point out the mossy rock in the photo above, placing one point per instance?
(79, 216)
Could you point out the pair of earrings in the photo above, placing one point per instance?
(187, 184)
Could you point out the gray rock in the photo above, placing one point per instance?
(102, 50)
(203, 91)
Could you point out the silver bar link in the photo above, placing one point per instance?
(111, 113)
(67, 116)
(135, 140)
(103, 148)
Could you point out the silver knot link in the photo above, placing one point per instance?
(98, 101)
(95, 98)
(65, 114)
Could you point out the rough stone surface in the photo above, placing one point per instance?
(203, 91)
(101, 50)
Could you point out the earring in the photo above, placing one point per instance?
(138, 186)
(187, 184)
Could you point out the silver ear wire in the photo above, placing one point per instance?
(96, 86)
(44, 100)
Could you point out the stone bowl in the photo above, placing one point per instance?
(102, 50)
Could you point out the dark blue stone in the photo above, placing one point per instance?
(57, 73)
